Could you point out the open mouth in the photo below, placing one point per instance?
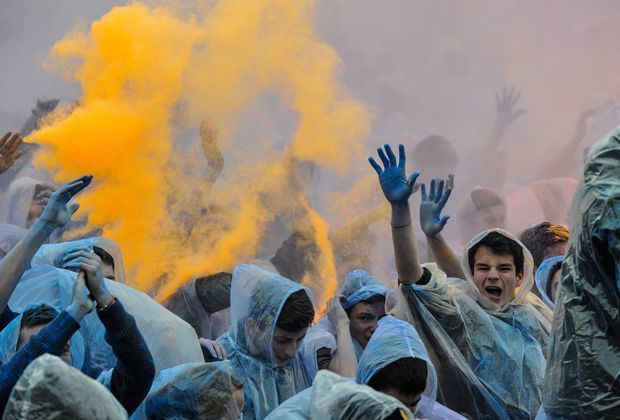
(494, 292)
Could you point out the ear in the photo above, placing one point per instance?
(519, 280)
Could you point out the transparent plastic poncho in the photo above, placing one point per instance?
(543, 277)
(192, 391)
(10, 235)
(489, 360)
(334, 397)
(52, 254)
(393, 340)
(170, 339)
(17, 201)
(256, 299)
(357, 286)
(584, 354)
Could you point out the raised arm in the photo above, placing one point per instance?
(9, 144)
(397, 189)
(432, 223)
(56, 214)
(344, 361)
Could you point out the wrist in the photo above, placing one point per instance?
(104, 299)
(342, 324)
(77, 311)
(43, 226)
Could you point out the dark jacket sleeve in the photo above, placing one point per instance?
(51, 339)
(135, 370)
(6, 317)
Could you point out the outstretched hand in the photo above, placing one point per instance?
(396, 187)
(506, 107)
(57, 211)
(431, 220)
(9, 143)
(336, 313)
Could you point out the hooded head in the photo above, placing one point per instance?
(548, 279)
(270, 315)
(396, 362)
(500, 267)
(25, 326)
(365, 308)
(355, 280)
(195, 390)
(334, 397)
(108, 250)
(26, 200)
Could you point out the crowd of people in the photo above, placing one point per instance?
(511, 325)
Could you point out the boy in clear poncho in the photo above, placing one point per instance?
(486, 336)
(337, 341)
(395, 363)
(584, 355)
(270, 316)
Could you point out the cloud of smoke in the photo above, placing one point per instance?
(149, 74)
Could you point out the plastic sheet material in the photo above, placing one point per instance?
(584, 356)
(393, 340)
(334, 398)
(52, 254)
(18, 201)
(10, 235)
(9, 337)
(50, 389)
(295, 408)
(490, 361)
(356, 286)
(257, 297)
(543, 277)
(170, 339)
(193, 391)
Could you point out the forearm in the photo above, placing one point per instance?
(344, 361)
(51, 339)
(444, 256)
(405, 247)
(135, 370)
(13, 265)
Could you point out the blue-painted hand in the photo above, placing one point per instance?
(431, 220)
(396, 187)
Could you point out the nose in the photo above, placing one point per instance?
(493, 274)
(290, 350)
(373, 326)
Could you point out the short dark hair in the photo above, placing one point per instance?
(499, 245)
(37, 315)
(407, 375)
(542, 236)
(297, 312)
(370, 301)
(106, 258)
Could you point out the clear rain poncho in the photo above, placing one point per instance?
(334, 398)
(192, 391)
(10, 235)
(357, 286)
(170, 339)
(52, 254)
(393, 340)
(490, 361)
(543, 277)
(584, 354)
(256, 299)
(18, 200)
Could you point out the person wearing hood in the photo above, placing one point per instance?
(584, 355)
(394, 363)
(337, 341)
(548, 277)
(486, 339)
(270, 317)
(25, 200)
(56, 214)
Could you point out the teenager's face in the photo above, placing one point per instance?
(284, 344)
(363, 319)
(495, 276)
(410, 400)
